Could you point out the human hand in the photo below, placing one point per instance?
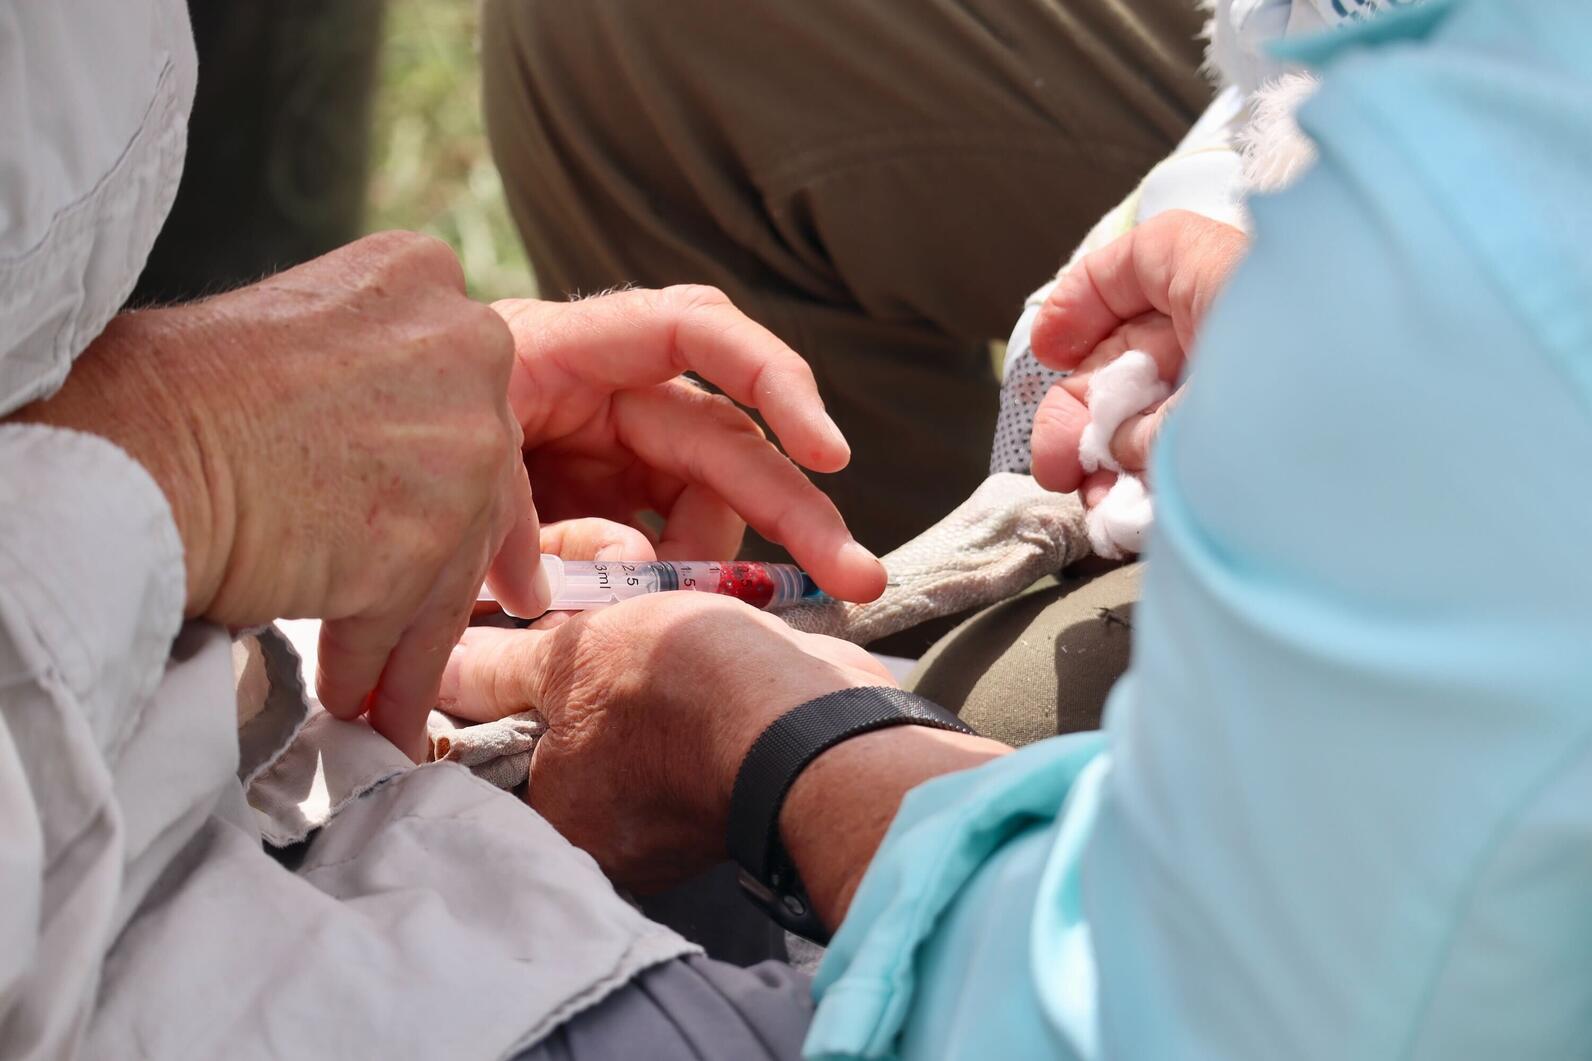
(335, 443)
(650, 705)
(612, 428)
(591, 538)
(596, 539)
(1148, 290)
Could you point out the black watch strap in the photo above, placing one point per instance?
(783, 750)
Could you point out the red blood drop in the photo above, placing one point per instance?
(749, 582)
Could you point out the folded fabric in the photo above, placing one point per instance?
(1008, 534)
(499, 752)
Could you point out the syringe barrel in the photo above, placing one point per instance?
(581, 584)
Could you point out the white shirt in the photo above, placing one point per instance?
(144, 912)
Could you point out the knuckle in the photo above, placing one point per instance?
(385, 244)
(504, 519)
(1058, 407)
(387, 705)
(430, 549)
(427, 257)
(485, 444)
(1047, 417)
(429, 250)
(514, 435)
(494, 340)
(696, 296)
(452, 619)
(1182, 293)
(406, 261)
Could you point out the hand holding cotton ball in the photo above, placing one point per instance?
(1126, 387)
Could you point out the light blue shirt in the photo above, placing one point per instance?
(1342, 807)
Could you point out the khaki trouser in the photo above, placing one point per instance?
(1040, 663)
(878, 181)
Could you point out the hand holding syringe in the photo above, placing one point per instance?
(578, 585)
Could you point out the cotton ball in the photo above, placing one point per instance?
(1118, 525)
(1126, 387)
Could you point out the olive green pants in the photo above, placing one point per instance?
(1040, 663)
(880, 182)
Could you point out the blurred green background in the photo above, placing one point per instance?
(431, 170)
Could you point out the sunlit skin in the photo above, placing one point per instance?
(349, 440)
(1148, 290)
(640, 757)
(613, 429)
(651, 705)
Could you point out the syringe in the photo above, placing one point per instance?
(578, 585)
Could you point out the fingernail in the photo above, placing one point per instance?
(541, 595)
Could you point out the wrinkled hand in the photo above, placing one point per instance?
(650, 705)
(613, 429)
(1149, 290)
(335, 443)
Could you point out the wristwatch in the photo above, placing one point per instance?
(777, 757)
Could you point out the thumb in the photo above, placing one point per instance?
(1176, 264)
(493, 673)
(594, 538)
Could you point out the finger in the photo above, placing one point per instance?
(1175, 263)
(408, 688)
(744, 359)
(1096, 295)
(1081, 313)
(634, 339)
(350, 659)
(1135, 436)
(1096, 486)
(701, 525)
(487, 673)
(596, 539)
(552, 620)
(1150, 332)
(1059, 423)
(693, 441)
(516, 578)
